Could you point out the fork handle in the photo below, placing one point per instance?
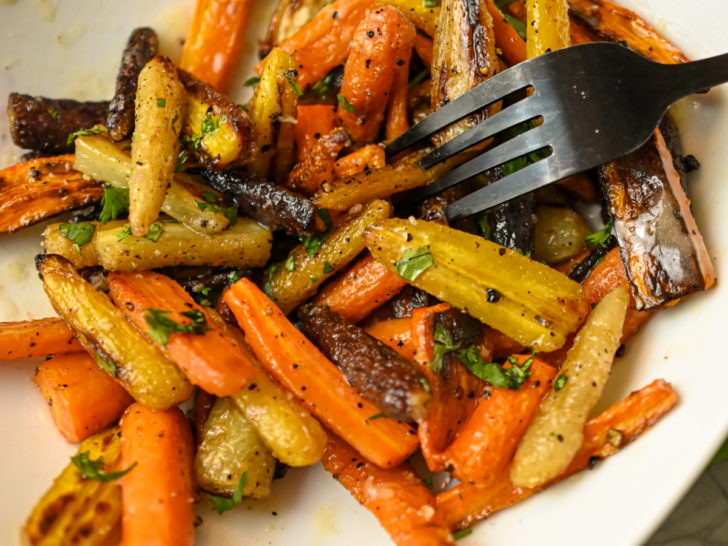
(695, 77)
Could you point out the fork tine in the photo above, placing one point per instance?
(486, 93)
(527, 142)
(505, 119)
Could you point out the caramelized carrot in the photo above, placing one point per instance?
(82, 398)
(213, 40)
(158, 493)
(323, 43)
(398, 498)
(488, 440)
(367, 158)
(604, 435)
(395, 333)
(397, 119)
(36, 338)
(317, 166)
(423, 47)
(364, 287)
(301, 368)
(512, 46)
(382, 42)
(208, 359)
(312, 122)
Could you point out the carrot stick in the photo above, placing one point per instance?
(323, 43)
(395, 333)
(82, 398)
(604, 435)
(317, 166)
(213, 40)
(312, 122)
(367, 158)
(488, 439)
(512, 46)
(208, 359)
(36, 338)
(37, 189)
(423, 47)
(319, 385)
(397, 120)
(158, 493)
(363, 288)
(398, 498)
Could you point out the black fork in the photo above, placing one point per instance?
(589, 104)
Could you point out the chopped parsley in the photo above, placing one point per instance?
(179, 166)
(114, 203)
(600, 238)
(174, 121)
(207, 206)
(250, 82)
(231, 213)
(209, 197)
(376, 416)
(430, 3)
(106, 364)
(53, 111)
(161, 103)
(328, 268)
(268, 286)
(486, 230)
(425, 384)
(345, 103)
(428, 481)
(313, 279)
(442, 346)
(560, 382)
(93, 469)
(323, 86)
(462, 533)
(296, 88)
(312, 244)
(290, 264)
(223, 504)
(124, 233)
(79, 234)
(155, 232)
(86, 132)
(520, 162)
(414, 262)
(161, 327)
(492, 372)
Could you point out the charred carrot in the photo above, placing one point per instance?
(423, 47)
(604, 435)
(396, 333)
(367, 158)
(301, 368)
(82, 398)
(382, 40)
(487, 441)
(323, 43)
(317, 166)
(312, 122)
(158, 492)
(512, 46)
(213, 40)
(40, 188)
(205, 355)
(398, 498)
(36, 338)
(363, 288)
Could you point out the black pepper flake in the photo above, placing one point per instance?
(370, 33)
(493, 295)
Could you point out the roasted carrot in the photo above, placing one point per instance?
(604, 435)
(487, 441)
(364, 287)
(367, 158)
(301, 368)
(158, 493)
(312, 122)
(396, 333)
(323, 43)
(36, 338)
(398, 498)
(213, 40)
(40, 188)
(423, 47)
(208, 358)
(317, 166)
(381, 44)
(397, 118)
(82, 398)
(512, 46)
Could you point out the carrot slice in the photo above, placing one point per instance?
(213, 40)
(363, 288)
(604, 435)
(395, 333)
(209, 360)
(301, 368)
(158, 493)
(398, 498)
(36, 338)
(367, 158)
(82, 398)
(312, 122)
(423, 47)
(512, 46)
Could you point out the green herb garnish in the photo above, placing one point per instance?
(53, 111)
(124, 233)
(345, 103)
(223, 504)
(114, 203)
(290, 264)
(323, 86)
(462, 533)
(600, 238)
(428, 481)
(413, 262)
(418, 79)
(79, 234)
(296, 88)
(207, 206)
(86, 132)
(328, 268)
(251, 81)
(231, 213)
(376, 416)
(486, 230)
(106, 365)
(155, 232)
(425, 384)
(93, 469)
(492, 372)
(162, 327)
(560, 382)
(268, 286)
(443, 345)
(209, 196)
(179, 166)
(313, 244)
(161, 103)
(430, 3)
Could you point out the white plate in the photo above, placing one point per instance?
(72, 49)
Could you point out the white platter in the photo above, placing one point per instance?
(71, 48)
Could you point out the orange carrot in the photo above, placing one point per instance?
(323, 43)
(213, 40)
(319, 385)
(317, 166)
(512, 46)
(487, 442)
(454, 395)
(40, 188)
(312, 122)
(364, 287)
(366, 158)
(398, 498)
(208, 359)
(395, 333)
(82, 398)
(36, 338)
(397, 118)
(465, 504)
(382, 41)
(423, 47)
(158, 493)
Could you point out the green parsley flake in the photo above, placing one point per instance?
(425, 384)
(430, 3)
(209, 197)
(53, 111)
(180, 164)
(296, 88)
(268, 286)
(414, 261)
(233, 276)
(114, 203)
(313, 244)
(231, 213)
(328, 268)
(162, 327)
(560, 382)
(290, 264)
(79, 234)
(442, 346)
(223, 504)
(106, 365)
(323, 86)
(376, 416)
(462, 533)
(600, 238)
(428, 481)
(161, 103)
(313, 279)
(493, 372)
(175, 119)
(124, 233)
(250, 82)
(207, 206)
(155, 232)
(86, 132)
(345, 103)
(93, 469)
(486, 230)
